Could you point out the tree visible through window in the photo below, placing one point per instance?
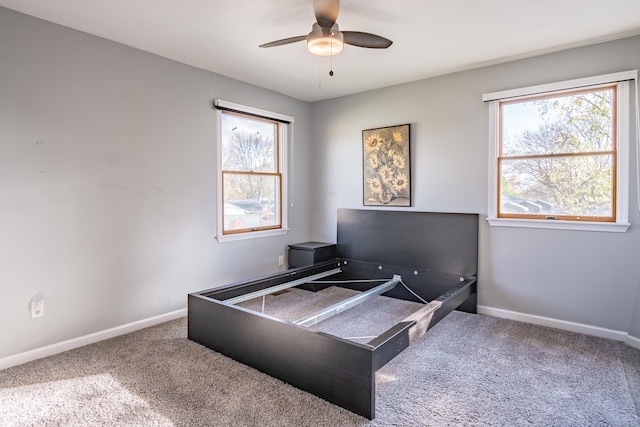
(557, 156)
(251, 173)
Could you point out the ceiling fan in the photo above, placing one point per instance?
(326, 39)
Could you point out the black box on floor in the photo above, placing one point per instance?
(308, 253)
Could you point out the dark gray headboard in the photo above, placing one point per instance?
(439, 242)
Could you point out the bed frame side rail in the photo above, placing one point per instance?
(392, 342)
(337, 370)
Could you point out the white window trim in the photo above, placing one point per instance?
(286, 141)
(621, 224)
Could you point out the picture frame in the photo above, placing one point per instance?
(386, 166)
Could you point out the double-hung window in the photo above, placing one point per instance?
(559, 155)
(252, 147)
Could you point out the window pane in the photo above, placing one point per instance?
(570, 123)
(251, 201)
(575, 185)
(248, 144)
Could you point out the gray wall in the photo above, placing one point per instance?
(634, 330)
(590, 278)
(108, 185)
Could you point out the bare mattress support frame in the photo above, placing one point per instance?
(435, 255)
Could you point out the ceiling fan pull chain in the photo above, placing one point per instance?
(331, 56)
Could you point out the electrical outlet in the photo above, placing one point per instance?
(37, 309)
(281, 260)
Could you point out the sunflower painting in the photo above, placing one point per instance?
(386, 166)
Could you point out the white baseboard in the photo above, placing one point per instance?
(633, 342)
(38, 353)
(556, 323)
(49, 350)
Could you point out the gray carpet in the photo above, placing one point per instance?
(469, 370)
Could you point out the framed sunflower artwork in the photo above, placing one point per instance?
(386, 166)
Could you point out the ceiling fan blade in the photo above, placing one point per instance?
(371, 41)
(284, 41)
(326, 12)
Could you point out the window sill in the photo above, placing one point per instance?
(251, 235)
(551, 224)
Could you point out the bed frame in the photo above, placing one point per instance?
(433, 254)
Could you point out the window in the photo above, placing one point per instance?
(559, 155)
(251, 163)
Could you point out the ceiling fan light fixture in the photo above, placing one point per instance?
(325, 42)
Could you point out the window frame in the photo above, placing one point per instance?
(621, 159)
(284, 136)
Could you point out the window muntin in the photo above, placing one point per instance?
(557, 156)
(251, 173)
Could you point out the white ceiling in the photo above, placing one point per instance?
(431, 37)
